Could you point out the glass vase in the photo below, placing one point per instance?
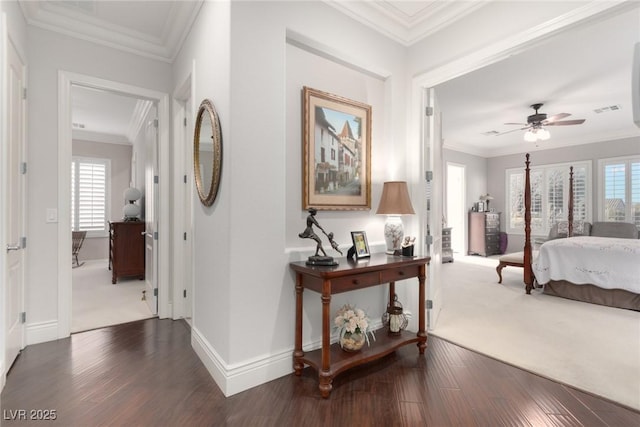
(352, 341)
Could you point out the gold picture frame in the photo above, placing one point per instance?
(336, 154)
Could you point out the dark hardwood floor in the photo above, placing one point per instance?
(146, 374)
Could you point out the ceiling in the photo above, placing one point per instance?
(576, 72)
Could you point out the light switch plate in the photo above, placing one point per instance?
(52, 215)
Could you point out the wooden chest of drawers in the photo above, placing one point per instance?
(447, 252)
(484, 233)
(126, 249)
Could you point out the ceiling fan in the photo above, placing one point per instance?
(536, 123)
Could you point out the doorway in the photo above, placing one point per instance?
(66, 82)
(113, 140)
(455, 211)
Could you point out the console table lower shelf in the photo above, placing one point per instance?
(344, 360)
(330, 360)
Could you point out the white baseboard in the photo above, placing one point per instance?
(236, 378)
(41, 332)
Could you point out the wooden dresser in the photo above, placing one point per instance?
(126, 249)
(484, 233)
(447, 252)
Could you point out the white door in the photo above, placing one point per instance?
(456, 211)
(14, 218)
(434, 195)
(150, 206)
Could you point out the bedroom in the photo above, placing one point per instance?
(219, 262)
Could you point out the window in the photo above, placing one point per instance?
(549, 196)
(89, 195)
(620, 190)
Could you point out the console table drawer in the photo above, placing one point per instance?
(399, 274)
(357, 281)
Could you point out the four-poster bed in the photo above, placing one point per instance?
(600, 267)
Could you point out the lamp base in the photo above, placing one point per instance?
(393, 233)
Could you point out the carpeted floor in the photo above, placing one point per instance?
(590, 347)
(98, 303)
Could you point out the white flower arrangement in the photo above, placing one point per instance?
(352, 320)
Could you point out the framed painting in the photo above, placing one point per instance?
(336, 152)
(359, 239)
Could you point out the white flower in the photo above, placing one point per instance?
(352, 320)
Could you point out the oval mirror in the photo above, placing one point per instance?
(207, 152)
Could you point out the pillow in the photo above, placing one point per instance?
(563, 228)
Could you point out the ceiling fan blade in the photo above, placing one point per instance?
(566, 122)
(556, 117)
(513, 130)
(516, 124)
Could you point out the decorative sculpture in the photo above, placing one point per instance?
(309, 233)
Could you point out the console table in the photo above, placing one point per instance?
(349, 275)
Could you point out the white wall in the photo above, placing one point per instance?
(50, 52)
(244, 290)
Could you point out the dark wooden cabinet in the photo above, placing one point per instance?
(126, 249)
(447, 252)
(484, 233)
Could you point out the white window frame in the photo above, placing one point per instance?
(545, 169)
(602, 163)
(104, 232)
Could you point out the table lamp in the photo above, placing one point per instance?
(131, 210)
(394, 203)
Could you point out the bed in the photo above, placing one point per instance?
(601, 268)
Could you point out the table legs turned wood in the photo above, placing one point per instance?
(298, 354)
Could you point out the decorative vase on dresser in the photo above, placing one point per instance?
(484, 233)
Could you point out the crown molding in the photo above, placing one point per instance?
(106, 138)
(402, 26)
(137, 119)
(63, 20)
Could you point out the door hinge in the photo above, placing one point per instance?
(155, 235)
(184, 122)
(155, 179)
(429, 304)
(24, 93)
(185, 235)
(428, 239)
(155, 292)
(155, 123)
(23, 168)
(185, 179)
(428, 175)
(23, 317)
(184, 293)
(428, 111)
(23, 242)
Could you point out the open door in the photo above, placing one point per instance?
(151, 209)
(13, 193)
(434, 188)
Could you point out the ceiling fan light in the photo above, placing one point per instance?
(530, 136)
(543, 134)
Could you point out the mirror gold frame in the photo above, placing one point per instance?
(207, 183)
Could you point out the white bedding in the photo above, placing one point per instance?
(606, 262)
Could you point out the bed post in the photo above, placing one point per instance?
(528, 272)
(570, 208)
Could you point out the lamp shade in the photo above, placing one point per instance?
(395, 199)
(132, 194)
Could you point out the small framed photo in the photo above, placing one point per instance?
(360, 244)
(480, 206)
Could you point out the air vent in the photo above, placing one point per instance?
(77, 125)
(607, 109)
(490, 133)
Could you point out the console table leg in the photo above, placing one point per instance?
(422, 334)
(325, 370)
(298, 354)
